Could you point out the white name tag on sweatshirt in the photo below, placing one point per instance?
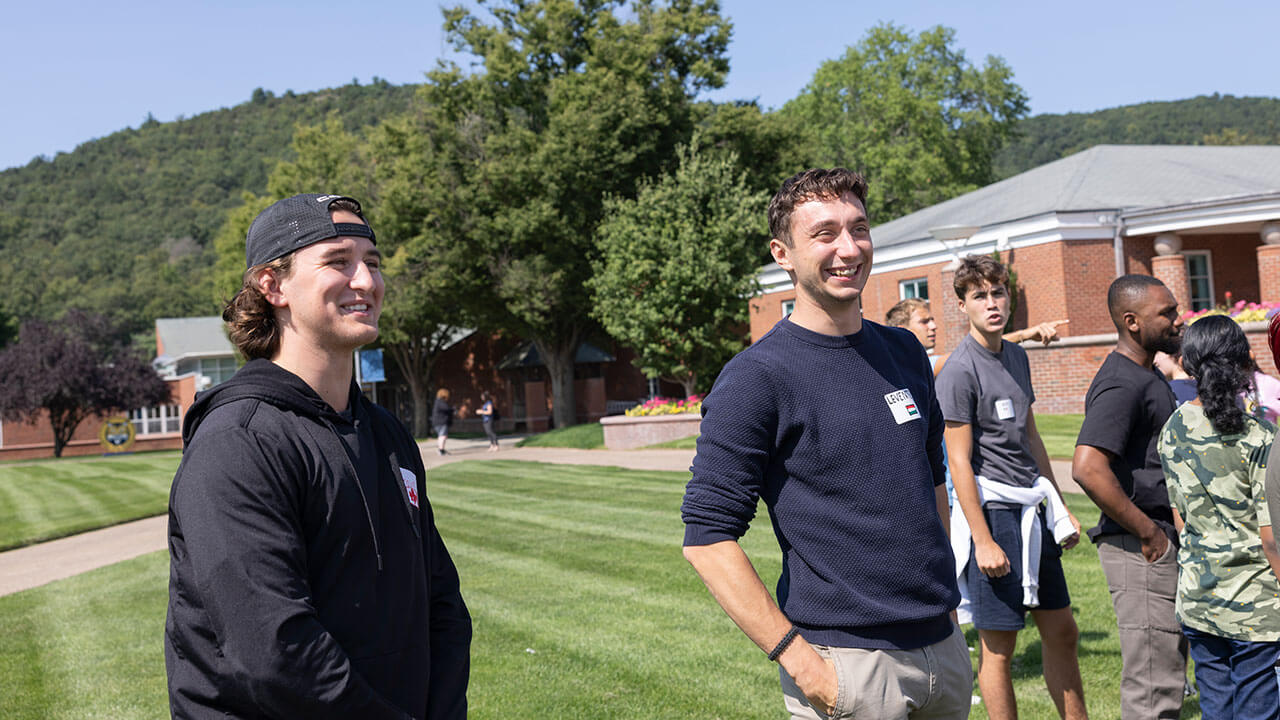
(410, 485)
(902, 405)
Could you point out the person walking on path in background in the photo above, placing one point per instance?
(1117, 463)
(306, 575)
(1006, 537)
(1215, 464)
(489, 416)
(832, 421)
(441, 418)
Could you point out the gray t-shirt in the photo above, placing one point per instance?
(992, 392)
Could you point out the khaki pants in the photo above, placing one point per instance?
(930, 683)
(1152, 646)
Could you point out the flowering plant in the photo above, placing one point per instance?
(667, 406)
(1241, 311)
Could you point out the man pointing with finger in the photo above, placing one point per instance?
(832, 421)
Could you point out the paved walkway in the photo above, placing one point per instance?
(37, 565)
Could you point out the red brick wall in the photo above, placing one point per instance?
(1268, 259)
(1089, 267)
(766, 310)
(1172, 271)
(1061, 374)
(881, 292)
(1233, 255)
(468, 369)
(1043, 293)
(1235, 263)
(26, 441)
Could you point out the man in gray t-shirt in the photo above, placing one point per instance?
(984, 390)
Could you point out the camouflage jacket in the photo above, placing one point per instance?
(1225, 585)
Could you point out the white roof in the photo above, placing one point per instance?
(1104, 177)
(193, 337)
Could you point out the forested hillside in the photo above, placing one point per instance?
(1205, 120)
(123, 224)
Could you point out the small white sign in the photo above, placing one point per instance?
(902, 405)
(1004, 409)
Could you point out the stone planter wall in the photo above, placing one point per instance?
(625, 433)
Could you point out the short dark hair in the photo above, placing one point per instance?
(251, 320)
(810, 184)
(1125, 293)
(899, 315)
(977, 269)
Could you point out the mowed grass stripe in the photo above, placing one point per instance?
(585, 517)
(50, 499)
(515, 475)
(87, 647)
(653, 641)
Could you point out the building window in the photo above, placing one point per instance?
(156, 420)
(917, 288)
(218, 370)
(788, 307)
(1200, 278)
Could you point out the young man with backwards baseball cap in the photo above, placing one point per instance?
(307, 578)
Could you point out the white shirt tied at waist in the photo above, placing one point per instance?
(1030, 500)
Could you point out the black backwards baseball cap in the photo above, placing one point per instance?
(296, 222)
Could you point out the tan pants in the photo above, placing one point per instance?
(1152, 646)
(930, 683)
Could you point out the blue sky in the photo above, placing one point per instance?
(74, 70)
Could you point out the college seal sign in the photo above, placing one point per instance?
(116, 434)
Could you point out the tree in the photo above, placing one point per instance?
(74, 370)
(913, 114)
(677, 264)
(573, 102)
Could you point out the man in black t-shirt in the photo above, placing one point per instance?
(1116, 462)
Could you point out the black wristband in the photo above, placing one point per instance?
(783, 643)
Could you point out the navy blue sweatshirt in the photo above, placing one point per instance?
(809, 423)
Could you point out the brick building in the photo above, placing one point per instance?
(192, 354)
(1205, 220)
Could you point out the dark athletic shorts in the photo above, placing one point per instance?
(996, 603)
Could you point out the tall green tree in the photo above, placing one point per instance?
(912, 113)
(423, 309)
(677, 264)
(571, 102)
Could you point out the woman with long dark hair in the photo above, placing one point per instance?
(1215, 458)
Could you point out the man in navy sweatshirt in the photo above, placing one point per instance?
(832, 420)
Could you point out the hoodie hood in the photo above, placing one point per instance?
(262, 380)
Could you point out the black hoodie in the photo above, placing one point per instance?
(300, 586)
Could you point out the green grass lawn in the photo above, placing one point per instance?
(583, 608)
(1059, 433)
(587, 436)
(45, 499)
